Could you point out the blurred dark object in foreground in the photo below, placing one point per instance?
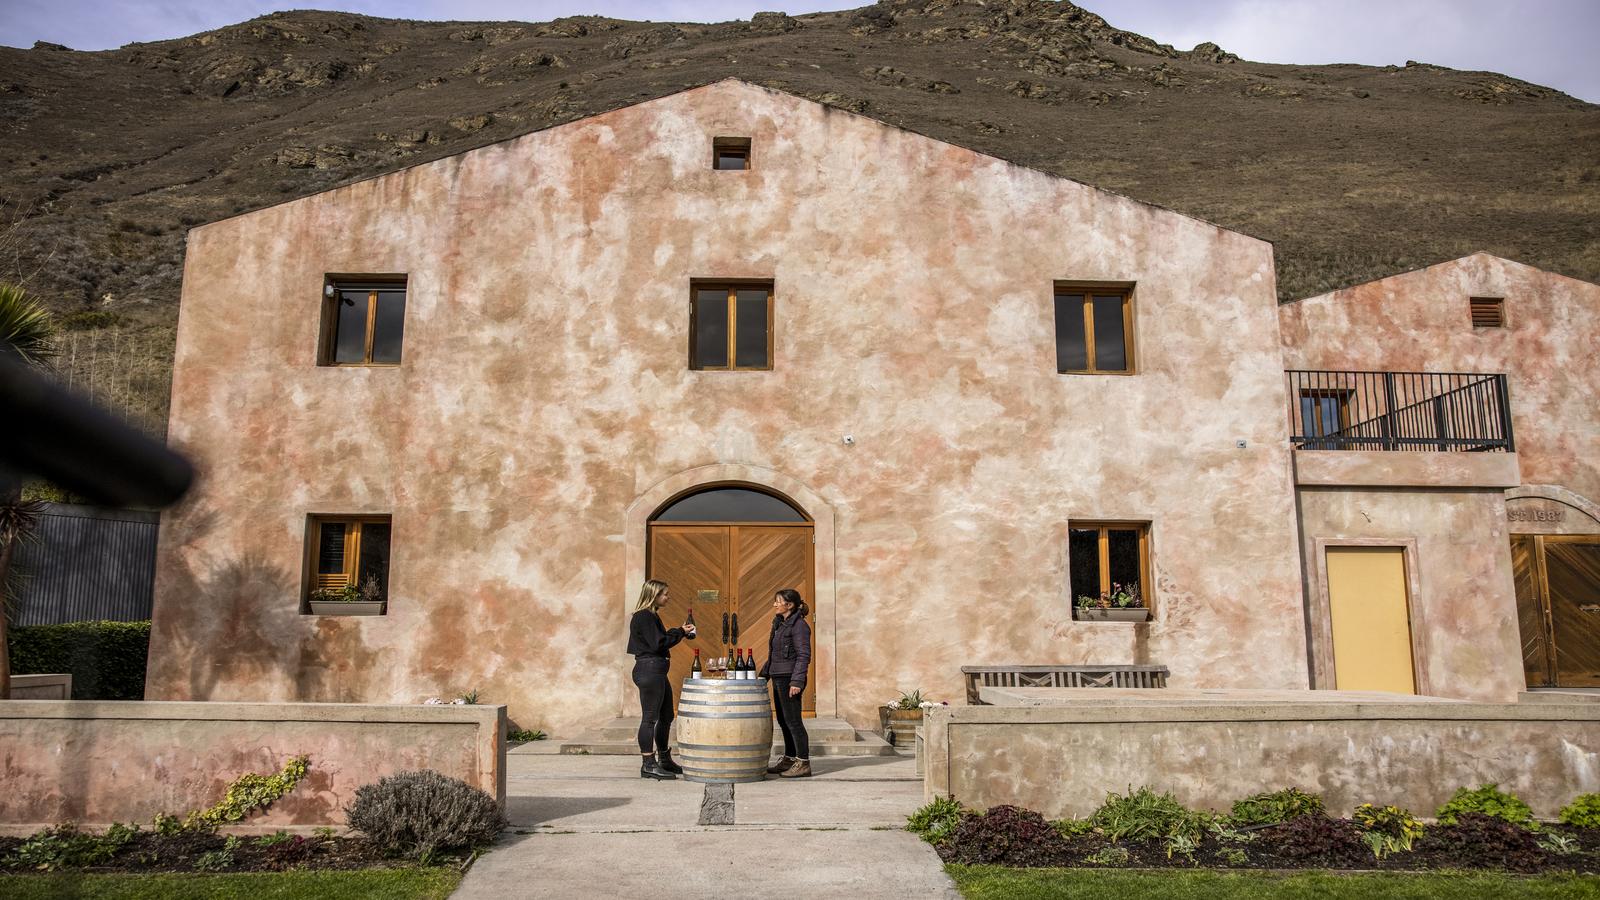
(52, 433)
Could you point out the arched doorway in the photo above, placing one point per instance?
(724, 549)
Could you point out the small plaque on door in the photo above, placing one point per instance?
(708, 596)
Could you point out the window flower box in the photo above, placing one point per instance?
(347, 607)
(1120, 604)
(348, 600)
(1128, 614)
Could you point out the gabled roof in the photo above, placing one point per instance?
(1481, 254)
(787, 95)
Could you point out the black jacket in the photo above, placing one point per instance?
(646, 636)
(789, 649)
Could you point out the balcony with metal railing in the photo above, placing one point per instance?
(1426, 411)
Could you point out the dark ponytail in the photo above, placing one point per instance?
(790, 595)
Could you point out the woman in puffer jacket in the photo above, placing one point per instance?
(788, 663)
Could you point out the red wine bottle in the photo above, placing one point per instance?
(688, 621)
(694, 670)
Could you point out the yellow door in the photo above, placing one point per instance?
(1371, 619)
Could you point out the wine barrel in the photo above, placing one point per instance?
(724, 730)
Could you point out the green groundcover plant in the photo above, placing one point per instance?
(1582, 812)
(1487, 800)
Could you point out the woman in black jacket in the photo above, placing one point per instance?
(788, 661)
(651, 646)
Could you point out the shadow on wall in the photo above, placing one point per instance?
(229, 624)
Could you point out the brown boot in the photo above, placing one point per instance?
(800, 769)
(777, 768)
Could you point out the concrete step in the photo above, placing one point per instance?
(829, 736)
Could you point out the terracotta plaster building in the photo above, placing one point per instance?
(742, 341)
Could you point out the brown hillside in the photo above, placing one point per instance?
(1354, 172)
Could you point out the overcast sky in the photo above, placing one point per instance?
(1550, 42)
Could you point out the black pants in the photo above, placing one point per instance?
(796, 742)
(655, 702)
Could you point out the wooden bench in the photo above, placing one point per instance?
(1061, 676)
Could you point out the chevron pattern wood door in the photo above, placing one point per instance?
(745, 565)
(766, 559)
(690, 559)
(1572, 578)
(1531, 619)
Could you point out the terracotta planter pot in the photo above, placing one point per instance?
(341, 608)
(900, 725)
(1133, 614)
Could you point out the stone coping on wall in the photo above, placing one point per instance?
(100, 761)
(250, 712)
(1135, 705)
(1405, 468)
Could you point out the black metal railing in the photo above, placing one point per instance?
(1452, 411)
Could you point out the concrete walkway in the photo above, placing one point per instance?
(589, 826)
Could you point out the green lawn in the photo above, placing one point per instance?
(376, 884)
(999, 883)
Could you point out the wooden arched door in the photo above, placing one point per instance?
(726, 550)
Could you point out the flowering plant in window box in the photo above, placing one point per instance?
(1123, 603)
(348, 600)
(900, 718)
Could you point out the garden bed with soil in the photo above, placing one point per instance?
(1480, 829)
(149, 852)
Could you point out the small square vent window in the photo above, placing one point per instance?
(730, 153)
(1488, 312)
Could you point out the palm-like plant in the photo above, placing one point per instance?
(25, 326)
(27, 331)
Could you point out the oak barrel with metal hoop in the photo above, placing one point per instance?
(724, 730)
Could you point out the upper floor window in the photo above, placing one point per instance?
(730, 153)
(1488, 312)
(1094, 330)
(730, 326)
(349, 558)
(363, 321)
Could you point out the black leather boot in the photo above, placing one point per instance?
(664, 760)
(652, 769)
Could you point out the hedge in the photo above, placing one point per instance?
(106, 659)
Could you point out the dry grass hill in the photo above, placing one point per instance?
(1355, 172)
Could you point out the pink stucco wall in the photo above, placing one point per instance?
(98, 762)
(1419, 321)
(544, 389)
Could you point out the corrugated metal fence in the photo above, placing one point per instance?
(86, 563)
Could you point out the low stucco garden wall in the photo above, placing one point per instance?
(97, 762)
(1059, 751)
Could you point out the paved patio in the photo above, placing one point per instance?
(589, 826)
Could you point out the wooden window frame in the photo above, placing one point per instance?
(732, 288)
(1342, 395)
(1103, 544)
(730, 146)
(373, 284)
(314, 578)
(1496, 304)
(1088, 290)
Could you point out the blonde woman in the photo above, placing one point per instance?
(651, 645)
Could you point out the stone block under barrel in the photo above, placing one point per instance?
(724, 730)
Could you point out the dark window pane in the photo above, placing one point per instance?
(1124, 552)
(1083, 561)
(1110, 346)
(389, 327)
(330, 549)
(750, 330)
(373, 577)
(711, 329)
(350, 334)
(730, 159)
(1072, 350)
(730, 505)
